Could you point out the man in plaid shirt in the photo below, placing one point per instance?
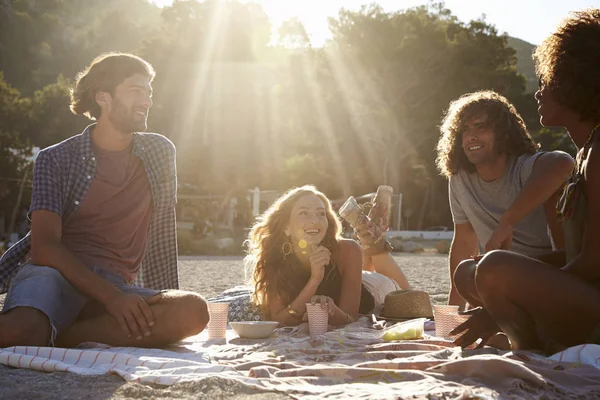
(102, 251)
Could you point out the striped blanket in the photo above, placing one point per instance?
(352, 361)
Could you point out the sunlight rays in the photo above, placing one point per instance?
(199, 84)
(326, 125)
(352, 94)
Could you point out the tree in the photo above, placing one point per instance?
(396, 73)
(51, 120)
(14, 151)
(246, 108)
(40, 40)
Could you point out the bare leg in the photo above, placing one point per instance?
(534, 303)
(24, 326)
(177, 315)
(385, 264)
(464, 279)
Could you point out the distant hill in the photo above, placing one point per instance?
(525, 63)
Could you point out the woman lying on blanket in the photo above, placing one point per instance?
(300, 257)
(537, 305)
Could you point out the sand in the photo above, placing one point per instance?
(208, 276)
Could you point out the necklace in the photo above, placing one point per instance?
(591, 135)
(580, 153)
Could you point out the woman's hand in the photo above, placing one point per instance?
(481, 325)
(326, 303)
(319, 258)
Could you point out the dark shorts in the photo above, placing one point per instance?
(47, 290)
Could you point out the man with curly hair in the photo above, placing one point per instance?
(102, 250)
(538, 306)
(501, 187)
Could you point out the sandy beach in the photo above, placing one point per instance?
(208, 276)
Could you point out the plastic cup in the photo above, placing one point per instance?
(318, 318)
(351, 211)
(444, 321)
(447, 319)
(444, 309)
(217, 326)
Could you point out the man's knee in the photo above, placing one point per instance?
(24, 326)
(464, 275)
(191, 311)
(491, 269)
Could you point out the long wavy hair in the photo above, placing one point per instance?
(273, 274)
(105, 73)
(567, 64)
(512, 137)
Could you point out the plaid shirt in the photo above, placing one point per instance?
(62, 176)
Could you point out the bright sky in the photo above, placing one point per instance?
(530, 20)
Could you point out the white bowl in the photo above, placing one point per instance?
(254, 329)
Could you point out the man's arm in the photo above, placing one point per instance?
(550, 171)
(47, 250)
(464, 246)
(131, 311)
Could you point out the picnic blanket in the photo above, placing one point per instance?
(348, 362)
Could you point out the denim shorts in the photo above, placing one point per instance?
(47, 290)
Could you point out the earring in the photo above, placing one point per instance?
(286, 249)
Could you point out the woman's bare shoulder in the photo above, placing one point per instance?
(349, 250)
(348, 244)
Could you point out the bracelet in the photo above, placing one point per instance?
(293, 312)
(349, 318)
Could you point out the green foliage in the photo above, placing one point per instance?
(14, 151)
(246, 108)
(40, 40)
(525, 65)
(555, 139)
(51, 121)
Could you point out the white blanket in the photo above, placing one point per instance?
(350, 360)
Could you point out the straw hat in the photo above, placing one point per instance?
(406, 304)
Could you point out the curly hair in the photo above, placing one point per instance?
(273, 275)
(104, 74)
(567, 63)
(512, 137)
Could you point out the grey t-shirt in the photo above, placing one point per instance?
(483, 204)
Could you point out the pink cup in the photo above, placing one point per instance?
(447, 323)
(217, 326)
(444, 321)
(318, 318)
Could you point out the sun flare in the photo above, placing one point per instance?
(312, 14)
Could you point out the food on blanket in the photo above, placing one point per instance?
(408, 330)
(254, 329)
